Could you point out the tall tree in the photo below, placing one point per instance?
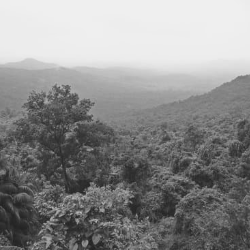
(51, 118)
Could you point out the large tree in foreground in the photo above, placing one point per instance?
(51, 118)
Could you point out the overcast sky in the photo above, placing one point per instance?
(136, 32)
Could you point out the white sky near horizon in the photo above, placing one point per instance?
(131, 32)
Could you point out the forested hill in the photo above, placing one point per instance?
(229, 99)
(16, 84)
(180, 180)
(112, 95)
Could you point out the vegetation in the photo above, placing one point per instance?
(51, 121)
(71, 182)
(17, 214)
(115, 91)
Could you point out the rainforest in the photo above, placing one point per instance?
(174, 177)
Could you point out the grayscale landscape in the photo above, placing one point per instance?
(124, 125)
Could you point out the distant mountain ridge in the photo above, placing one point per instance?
(112, 97)
(29, 64)
(128, 95)
(146, 79)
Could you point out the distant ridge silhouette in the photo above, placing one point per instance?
(30, 64)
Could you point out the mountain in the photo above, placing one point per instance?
(229, 100)
(29, 64)
(127, 96)
(112, 98)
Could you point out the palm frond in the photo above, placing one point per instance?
(13, 173)
(3, 226)
(23, 198)
(16, 217)
(32, 186)
(23, 212)
(24, 225)
(19, 239)
(25, 189)
(8, 188)
(3, 215)
(4, 197)
(8, 206)
(17, 213)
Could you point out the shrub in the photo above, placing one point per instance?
(100, 219)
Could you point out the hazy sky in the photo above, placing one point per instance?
(142, 32)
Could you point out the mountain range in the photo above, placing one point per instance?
(128, 96)
(114, 91)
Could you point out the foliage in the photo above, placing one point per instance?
(211, 150)
(178, 182)
(93, 166)
(236, 148)
(60, 127)
(209, 221)
(4, 241)
(50, 118)
(175, 188)
(94, 134)
(135, 170)
(243, 132)
(193, 136)
(244, 166)
(97, 220)
(17, 215)
(193, 214)
(46, 200)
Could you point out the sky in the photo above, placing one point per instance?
(153, 33)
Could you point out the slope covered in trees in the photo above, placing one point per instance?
(178, 179)
(228, 99)
(113, 94)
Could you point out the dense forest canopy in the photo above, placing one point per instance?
(175, 177)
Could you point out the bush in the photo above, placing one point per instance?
(100, 219)
(46, 200)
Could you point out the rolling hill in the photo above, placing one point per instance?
(127, 96)
(113, 97)
(231, 99)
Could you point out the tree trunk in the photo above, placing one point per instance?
(66, 178)
(63, 163)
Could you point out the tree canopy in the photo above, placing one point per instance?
(50, 119)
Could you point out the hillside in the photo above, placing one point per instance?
(127, 96)
(179, 177)
(112, 97)
(179, 164)
(229, 99)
